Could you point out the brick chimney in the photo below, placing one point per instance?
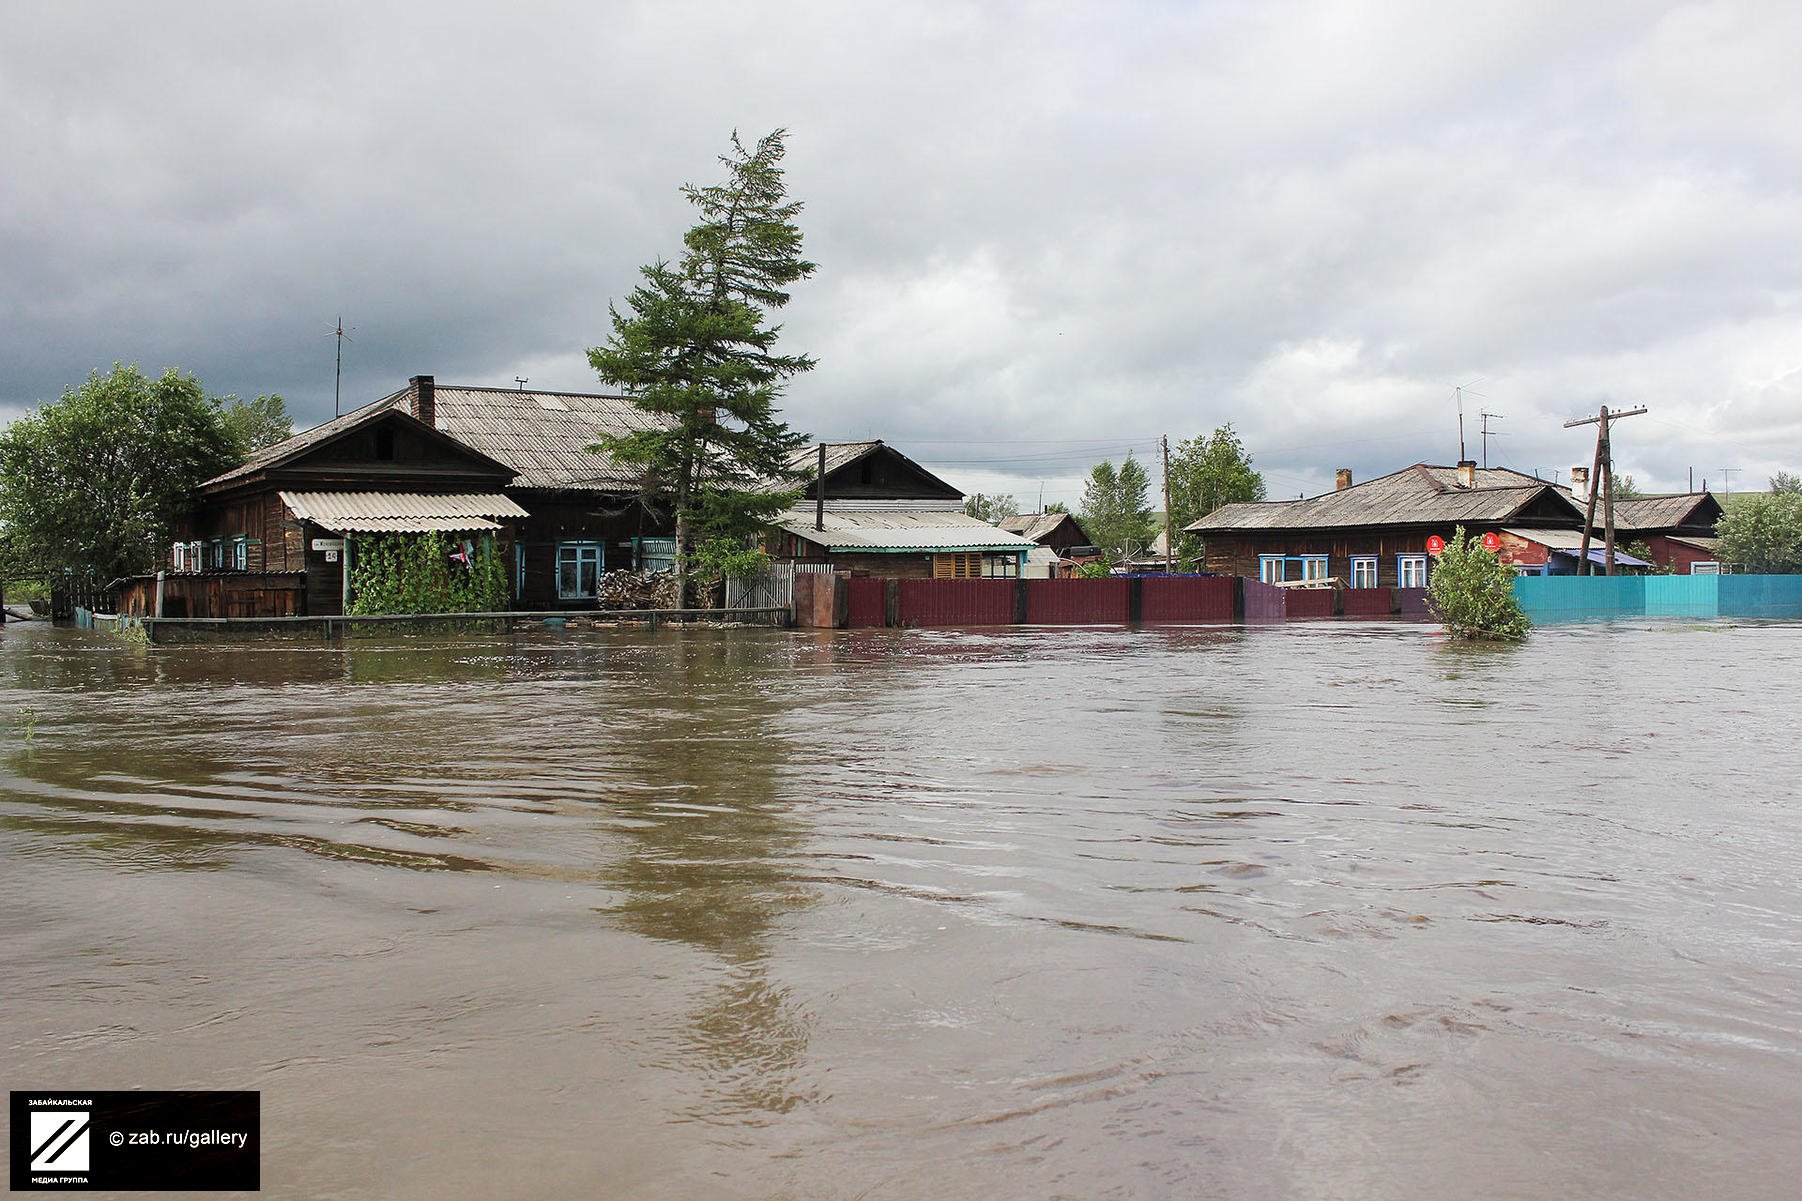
(1342, 479)
(1579, 482)
(423, 402)
(1467, 473)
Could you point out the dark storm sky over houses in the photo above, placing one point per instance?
(1045, 234)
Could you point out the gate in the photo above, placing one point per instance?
(771, 589)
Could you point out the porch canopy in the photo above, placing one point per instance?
(401, 512)
(1570, 544)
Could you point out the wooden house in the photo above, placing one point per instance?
(1375, 534)
(270, 538)
(1059, 531)
(1678, 528)
(869, 509)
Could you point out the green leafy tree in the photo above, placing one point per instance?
(991, 509)
(1625, 488)
(1057, 506)
(1205, 473)
(697, 356)
(95, 482)
(1786, 481)
(1472, 592)
(256, 424)
(1763, 533)
(1115, 511)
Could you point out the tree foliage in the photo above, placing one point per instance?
(695, 352)
(94, 483)
(1205, 473)
(415, 573)
(1472, 592)
(1115, 511)
(1763, 533)
(1057, 506)
(1624, 487)
(1786, 481)
(256, 424)
(991, 509)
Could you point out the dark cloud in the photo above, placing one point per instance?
(1045, 233)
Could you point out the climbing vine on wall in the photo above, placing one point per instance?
(415, 573)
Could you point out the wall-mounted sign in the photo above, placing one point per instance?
(331, 556)
(1435, 544)
(328, 544)
(1492, 542)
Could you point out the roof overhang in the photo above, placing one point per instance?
(401, 512)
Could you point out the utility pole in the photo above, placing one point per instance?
(1169, 534)
(1485, 417)
(1727, 480)
(1604, 471)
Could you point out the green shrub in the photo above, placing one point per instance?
(414, 573)
(1472, 592)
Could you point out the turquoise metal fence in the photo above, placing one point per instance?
(1603, 598)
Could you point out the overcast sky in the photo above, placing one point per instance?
(1046, 234)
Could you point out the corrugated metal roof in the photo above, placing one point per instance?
(401, 512)
(900, 530)
(1419, 495)
(544, 436)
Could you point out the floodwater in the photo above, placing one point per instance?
(1305, 911)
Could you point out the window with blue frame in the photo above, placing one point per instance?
(1364, 571)
(1274, 569)
(578, 570)
(1411, 571)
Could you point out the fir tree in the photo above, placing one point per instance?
(696, 354)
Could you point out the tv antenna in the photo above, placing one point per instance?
(1484, 417)
(1459, 392)
(522, 381)
(343, 336)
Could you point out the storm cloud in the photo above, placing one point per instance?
(1045, 234)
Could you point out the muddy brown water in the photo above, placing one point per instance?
(1314, 911)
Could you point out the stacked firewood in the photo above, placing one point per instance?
(624, 589)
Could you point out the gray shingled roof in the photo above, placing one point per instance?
(1655, 512)
(1032, 525)
(301, 441)
(544, 436)
(1419, 495)
(806, 460)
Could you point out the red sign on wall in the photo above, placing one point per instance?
(1435, 544)
(1492, 542)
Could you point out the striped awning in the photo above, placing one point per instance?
(401, 512)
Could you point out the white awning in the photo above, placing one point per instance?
(401, 512)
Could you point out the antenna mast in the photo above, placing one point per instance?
(1485, 417)
(338, 368)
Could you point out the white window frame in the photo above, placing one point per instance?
(1705, 567)
(1406, 566)
(1265, 573)
(1363, 566)
(1314, 567)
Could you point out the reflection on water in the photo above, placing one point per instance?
(1308, 911)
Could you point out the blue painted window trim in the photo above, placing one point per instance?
(1426, 569)
(1375, 570)
(1265, 560)
(580, 547)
